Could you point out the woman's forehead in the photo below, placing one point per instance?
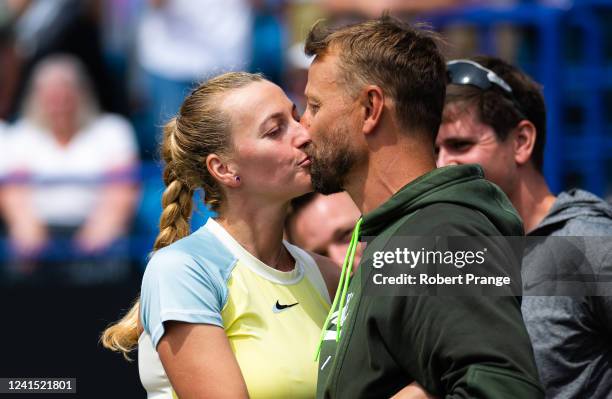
(54, 73)
(250, 105)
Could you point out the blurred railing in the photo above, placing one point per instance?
(138, 244)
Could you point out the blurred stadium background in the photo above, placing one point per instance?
(141, 58)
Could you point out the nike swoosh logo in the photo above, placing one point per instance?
(277, 308)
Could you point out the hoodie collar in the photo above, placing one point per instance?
(572, 204)
(411, 197)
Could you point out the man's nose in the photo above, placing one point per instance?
(302, 138)
(305, 120)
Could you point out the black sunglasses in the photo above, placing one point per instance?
(468, 72)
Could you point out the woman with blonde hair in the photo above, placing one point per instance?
(71, 180)
(231, 310)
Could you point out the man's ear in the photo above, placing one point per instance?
(374, 102)
(524, 141)
(222, 171)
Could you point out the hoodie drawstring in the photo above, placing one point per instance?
(342, 290)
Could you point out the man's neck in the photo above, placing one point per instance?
(532, 198)
(388, 169)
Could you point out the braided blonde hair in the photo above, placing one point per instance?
(199, 129)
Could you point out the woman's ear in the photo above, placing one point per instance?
(222, 171)
(524, 141)
(373, 101)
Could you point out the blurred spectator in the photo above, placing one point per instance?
(118, 25)
(323, 224)
(269, 38)
(9, 61)
(366, 9)
(300, 16)
(3, 164)
(70, 175)
(180, 42)
(3, 153)
(41, 28)
(9, 65)
(459, 40)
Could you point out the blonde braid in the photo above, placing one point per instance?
(177, 200)
(123, 335)
(177, 205)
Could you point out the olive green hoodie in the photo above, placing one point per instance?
(464, 346)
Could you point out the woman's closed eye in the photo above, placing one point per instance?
(273, 132)
(281, 123)
(278, 128)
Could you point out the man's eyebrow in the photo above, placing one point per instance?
(310, 96)
(456, 139)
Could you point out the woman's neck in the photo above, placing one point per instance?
(63, 131)
(259, 229)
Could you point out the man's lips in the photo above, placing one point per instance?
(304, 162)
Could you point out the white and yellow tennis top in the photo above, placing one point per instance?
(272, 319)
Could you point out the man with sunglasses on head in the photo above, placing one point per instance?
(495, 116)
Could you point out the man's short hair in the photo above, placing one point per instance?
(405, 62)
(497, 109)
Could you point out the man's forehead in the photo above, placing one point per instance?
(463, 126)
(322, 72)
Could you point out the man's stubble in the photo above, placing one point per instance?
(331, 161)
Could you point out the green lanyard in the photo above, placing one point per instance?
(343, 284)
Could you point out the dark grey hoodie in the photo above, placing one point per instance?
(571, 334)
